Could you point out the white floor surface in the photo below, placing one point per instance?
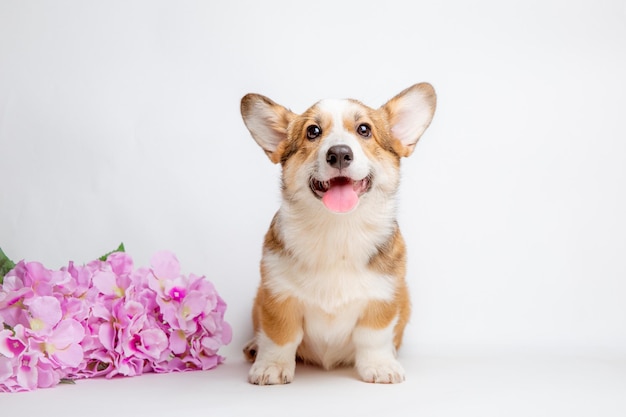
(520, 385)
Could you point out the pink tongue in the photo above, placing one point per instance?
(340, 198)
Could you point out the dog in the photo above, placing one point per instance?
(333, 290)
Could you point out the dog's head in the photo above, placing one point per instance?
(340, 152)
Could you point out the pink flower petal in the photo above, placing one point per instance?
(27, 374)
(133, 308)
(121, 263)
(193, 305)
(6, 369)
(10, 346)
(165, 265)
(70, 356)
(68, 331)
(128, 367)
(210, 362)
(106, 335)
(13, 282)
(106, 283)
(172, 365)
(36, 274)
(60, 278)
(210, 344)
(170, 314)
(100, 311)
(178, 342)
(45, 312)
(48, 375)
(227, 333)
(154, 341)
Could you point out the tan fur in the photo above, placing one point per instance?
(338, 273)
(278, 317)
(391, 261)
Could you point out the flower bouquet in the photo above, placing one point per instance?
(105, 318)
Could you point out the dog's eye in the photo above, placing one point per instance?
(313, 132)
(364, 130)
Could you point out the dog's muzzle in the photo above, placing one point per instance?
(340, 194)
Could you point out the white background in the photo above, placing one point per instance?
(119, 122)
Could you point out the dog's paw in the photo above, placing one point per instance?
(388, 372)
(271, 373)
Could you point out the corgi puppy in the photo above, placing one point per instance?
(333, 288)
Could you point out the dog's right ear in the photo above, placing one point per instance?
(267, 121)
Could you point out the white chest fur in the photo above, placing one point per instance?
(328, 338)
(326, 260)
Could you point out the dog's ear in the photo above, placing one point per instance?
(409, 114)
(267, 121)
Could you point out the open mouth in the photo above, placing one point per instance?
(340, 194)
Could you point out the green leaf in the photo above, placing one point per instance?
(120, 248)
(5, 265)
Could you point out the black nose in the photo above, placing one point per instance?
(339, 156)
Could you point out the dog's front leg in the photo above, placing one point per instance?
(274, 364)
(278, 337)
(373, 338)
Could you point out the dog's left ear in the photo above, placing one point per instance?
(267, 121)
(409, 114)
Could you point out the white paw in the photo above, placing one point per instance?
(387, 372)
(271, 373)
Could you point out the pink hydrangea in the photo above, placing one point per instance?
(106, 318)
